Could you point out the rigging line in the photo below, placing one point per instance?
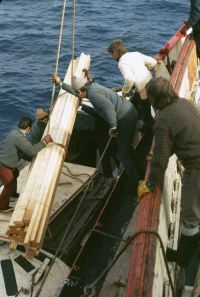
(90, 182)
(74, 174)
(57, 60)
(73, 35)
(72, 220)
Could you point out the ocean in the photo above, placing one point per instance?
(29, 41)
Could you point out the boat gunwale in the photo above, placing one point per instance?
(163, 52)
(141, 279)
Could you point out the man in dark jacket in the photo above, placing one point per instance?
(177, 131)
(194, 22)
(14, 148)
(39, 125)
(119, 113)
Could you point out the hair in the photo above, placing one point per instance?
(117, 47)
(161, 93)
(25, 122)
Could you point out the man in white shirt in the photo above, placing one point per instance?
(135, 69)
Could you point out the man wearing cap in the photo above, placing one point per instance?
(14, 148)
(119, 113)
(38, 126)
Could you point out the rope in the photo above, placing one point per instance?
(57, 60)
(109, 235)
(73, 35)
(83, 196)
(72, 220)
(92, 287)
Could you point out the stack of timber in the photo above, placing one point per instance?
(72, 181)
(31, 215)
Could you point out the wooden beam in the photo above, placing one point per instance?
(34, 205)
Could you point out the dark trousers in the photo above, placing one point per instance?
(196, 37)
(102, 137)
(8, 176)
(127, 128)
(144, 110)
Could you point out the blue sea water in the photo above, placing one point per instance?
(29, 33)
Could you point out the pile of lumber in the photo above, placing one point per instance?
(31, 215)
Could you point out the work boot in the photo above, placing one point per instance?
(187, 248)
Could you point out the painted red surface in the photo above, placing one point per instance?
(179, 64)
(184, 58)
(170, 44)
(141, 273)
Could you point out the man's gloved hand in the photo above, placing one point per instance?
(56, 79)
(126, 94)
(144, 187)
(47, 138)
(113, 132)
(149, 156)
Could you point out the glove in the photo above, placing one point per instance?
(126, 94)
(144, 188)
(56, 79)
(47, 139)
(149, 156)
(113, 132)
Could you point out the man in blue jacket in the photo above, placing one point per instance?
(194, 22)
(119, 113)
(14, 148)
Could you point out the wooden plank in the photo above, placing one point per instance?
(72, 180)
(41, 194)
(40, 203)
(24, 200)
(50, 190)
(35, 190)
(38, 240)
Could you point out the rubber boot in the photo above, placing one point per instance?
(146, 112)
(187, 248)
